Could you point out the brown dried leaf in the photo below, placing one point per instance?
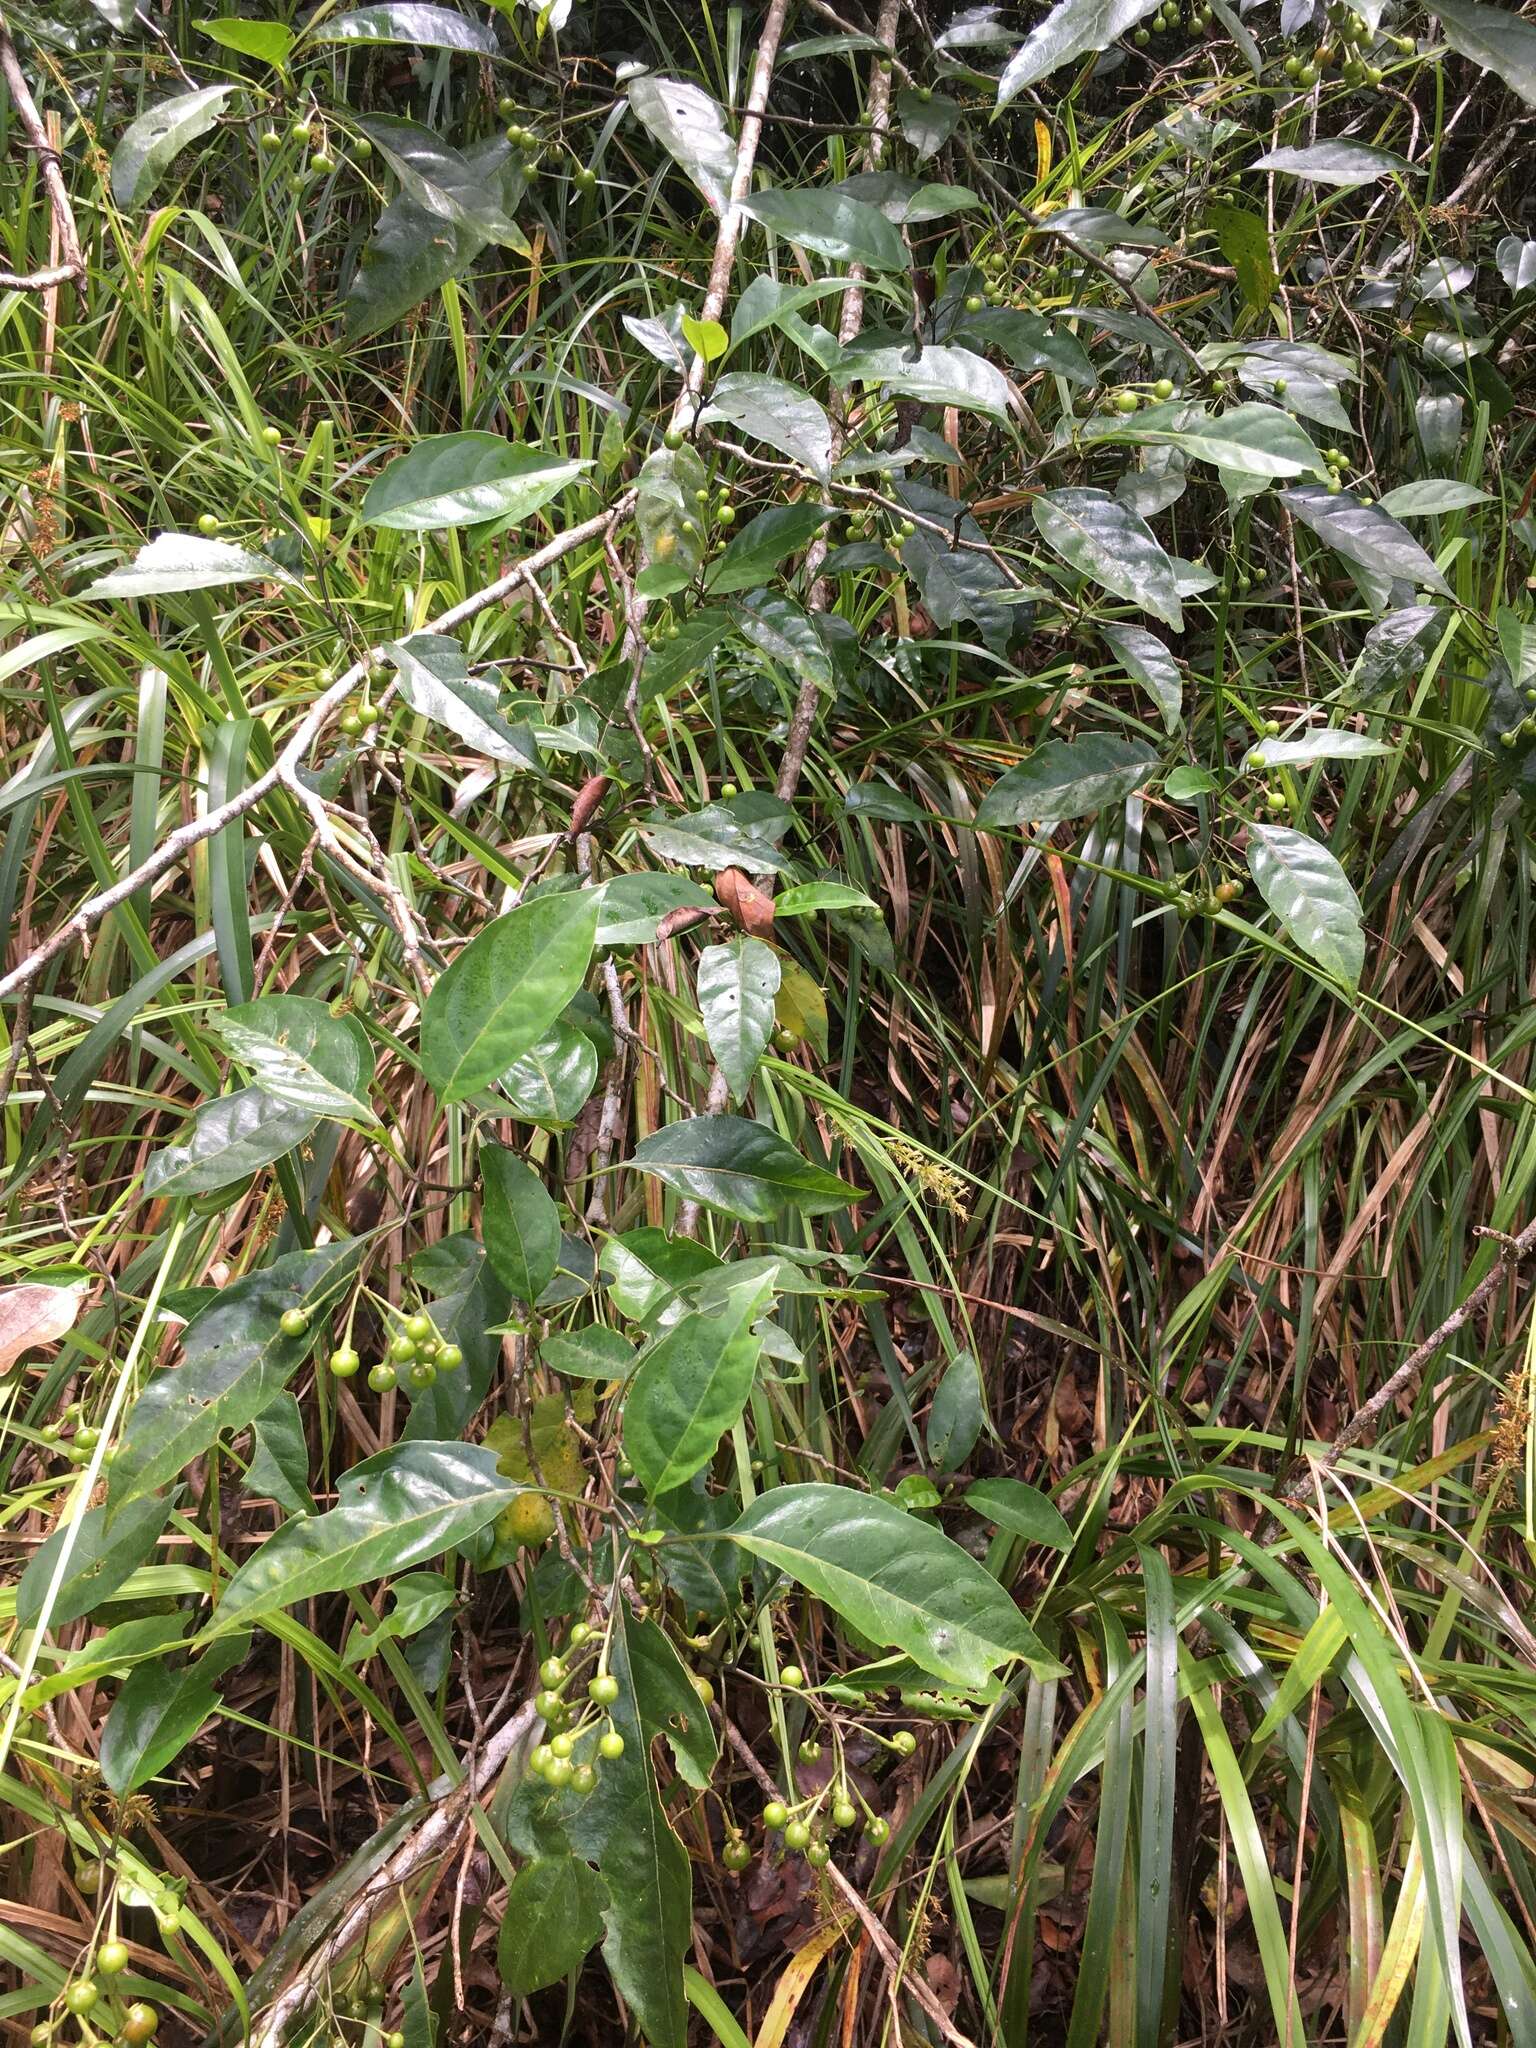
(36, 1314)
(752, 910)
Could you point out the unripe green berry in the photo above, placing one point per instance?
(293, 1322)
(877, 1828)
(112, 1958)
(344, 1362)
(603, 1690)
(449, 1358)
(610, 1745)
(796, 1835)
(792, 1676)
(775, 1815)
(208, 522)
(382, 1377)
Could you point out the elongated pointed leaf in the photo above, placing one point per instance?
(520, 1222)
(157, 1713)
(435, 679)
(1311, 895)
(1344, 164)
(691, 128)
(549, 1082)
(461, 479)
(100, 1559)
(408, 21)
(554, 1915)
(781, 414)
(741, 1168)
(736, 985)
(1326, 744)
(235, 1358)
(1021, 1510)
(267, 41)
(753, 554)
(403, 1507)
(690, 1388)
(1257, 439)
(1104, 540)
(500, 996)
(1066, 779)
(413, 250)
(297, 1051)
(185, 561)
(1143, 656)
(150, 143)
(781, 629)
(896, 1579)
(1071, 30)
(1364, 534)
(231, 1137)
(441, 179)
(820, 218)
(1498, 38)
(934, 376)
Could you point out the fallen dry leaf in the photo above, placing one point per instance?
(36, 1314)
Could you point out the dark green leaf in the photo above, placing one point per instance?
(781, 414)
(1021, 1510)
(741, 1168)
(1143, 656)
(234, 1360)
(1310, 894)
(500, 996)
(691, 129)
(927, 121)
(520, 1222)
(150, 143)
(670, 662)
(279, 1466)
(297, 1051)
(844, 229)
(403, 1507)
(1393, 649)
(1243, 238)
(467, 1302)
(408, 21)
(445, 183)
(416, 1600)
(232, 1136)
(157, 1713)
(754, 553)
(635, 904)
(668, 513)
(1498, 38)
(1066, 779)
(898, 1580)
(554, 1915)
(1104, 540)
(669, 1706)
(590, 1352)
(435, 679)
(736, 985)
(778, 627)
(1031, 343)
(958, 1414)
(549, 1083)
(1260, 440)
(690, 1388)
(1072, 29)
(934, 376)
(100, 1560)
(412, 250)
(1363, 534)
(460, 479)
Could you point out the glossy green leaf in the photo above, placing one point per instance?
(668, 1705)
(590, 1352)
(635, 904)
(1243, 238)
(408, 21)
(149, 143)
(898, 1580)
(715, 837)
(1100, 538)
(1066, 779)
(778, 627)
(403, 1507)
(442, 180)
(460, 479)
(1363, 534)
(691, 128)
(805, 899)
(549, 1083)
(957, 1415)
(415, 1600)
(781, 414)
(157, 1713)
(279, 1462)
(235, 1358)
(1498, 38)
(232, 1136)
(501, 995)
(1031, 343)
(1311, 895)
(1021, 1510)
(690, 1388)
(520, 1223)
(1344, 164)
(100, 1560)
(185, 561)
(414, 250)
(268, 41)
(435, 679)
(934, 376)
(1325, 743)
(296, 1050)
(1260, 440)
(1072, 29)
(756, 551)
(1393, 649)
(736, 984)
(828, 221)
(467, 1303)
(553, 1916)
(1144, 657)
(740, 1168)
(1430, 496)
(669, 516)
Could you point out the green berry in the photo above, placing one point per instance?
(810, 1751)
(81, 1996)
(877, 1829)
(1141, 38)
(736, 1855)
(818, 1855)
(321, 162)
(584, 1780)
(539, 1758)
(394, 2040)
(775, 1815)
(419, 1328)
(552, 1671)
(792, 1676)
(603, 1690)
(301, 132)
(293, 1322)
(1163, 388)
(974, 303)
(362, 149)
(87, 1437)
(112, 1958)
(506, 107)
(350, 723)
(382, 1378)
(844, 1813)
(1307, 75)
(449, 1358)
(270, 141)
(208, 522)
(610, 1745)
(586, 179)
(796, 1835)
(344, 1362)
(579, 1634)
(420, 1375)
(402, 1349)
(272, 436)
(1126, 401)
(560, 1772)
(726, 514)
(673, 437)
(139, 2024)
(903, 1742)
(548, 1705)
(562, 1745)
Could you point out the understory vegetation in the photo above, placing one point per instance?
(765, 793)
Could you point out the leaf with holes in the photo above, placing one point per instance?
(298, 1052)
(149, 143)
(691, 129)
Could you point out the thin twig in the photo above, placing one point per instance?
(73, 264)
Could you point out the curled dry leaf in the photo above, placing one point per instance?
(751, 908)
(588, 799)
(36, 1314)
(682, 919)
